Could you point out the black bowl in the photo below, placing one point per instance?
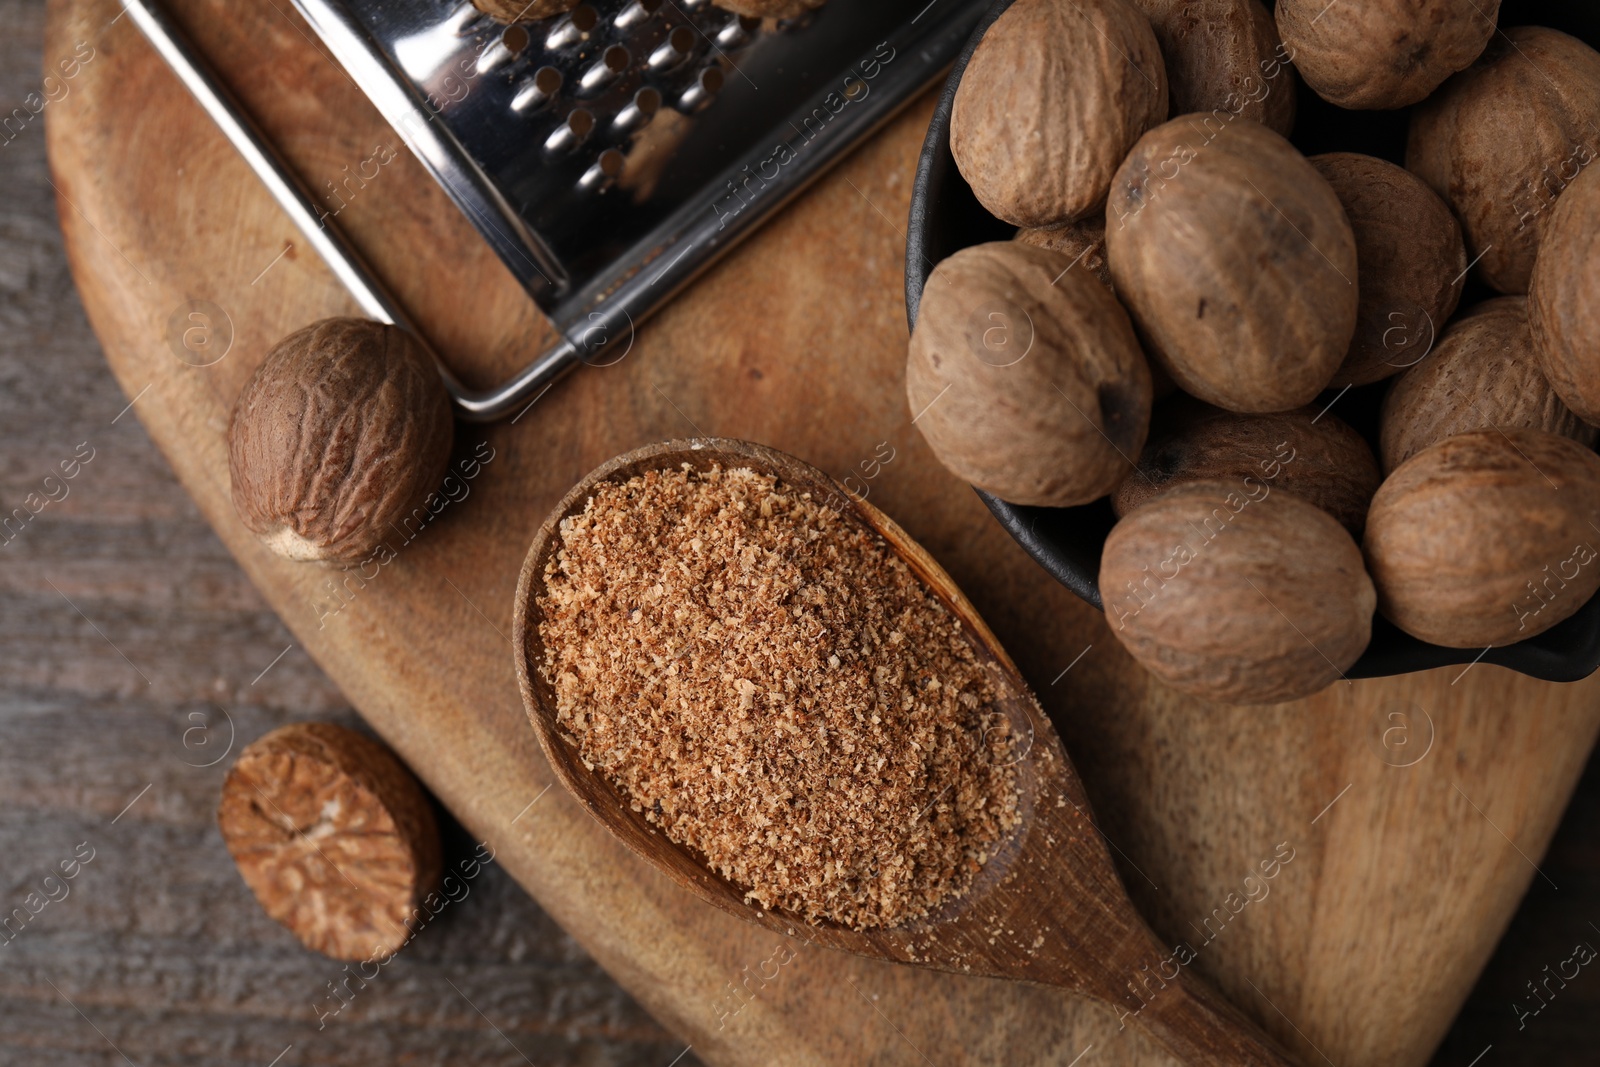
(946, 217)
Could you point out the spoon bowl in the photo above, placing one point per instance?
(1048, 906)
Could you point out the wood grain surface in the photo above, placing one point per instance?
(1403, 877)
(158, 943)
(1048, 906)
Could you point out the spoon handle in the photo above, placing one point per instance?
(1202, 1029)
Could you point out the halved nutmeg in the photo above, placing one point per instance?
(334, 837)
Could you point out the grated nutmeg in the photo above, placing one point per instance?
(768, 682)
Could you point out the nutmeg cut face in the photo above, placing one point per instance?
(1025, 377)
(1224, 56)
(1564, 298)
(1483, 373)
(1237, 593)
(1236, 261)
(1487, 538)
(1503, 139)
(342, 433)
(1054, 96)
(333, 836)
(1411, 260)
(1383, 53)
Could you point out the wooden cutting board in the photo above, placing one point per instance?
(1407, 814)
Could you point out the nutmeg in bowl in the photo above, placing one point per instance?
(1068, 542)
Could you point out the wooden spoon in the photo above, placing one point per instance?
(1048, 907)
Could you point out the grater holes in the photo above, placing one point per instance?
(737, 32)
(572, 132)
(639, 111)
(537, 91)
(703, 91)
(603, 171)
(577, 169)
(636, 13)
(678, 46)
(611, 63)
(505, 48)
(572, 28)
(592, 79)
(515, 39)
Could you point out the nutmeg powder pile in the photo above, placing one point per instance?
(771, 685)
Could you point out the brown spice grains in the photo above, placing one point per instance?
(772, 685)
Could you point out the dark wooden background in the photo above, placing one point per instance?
(132, 650)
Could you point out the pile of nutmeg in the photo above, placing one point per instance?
(1203, 265)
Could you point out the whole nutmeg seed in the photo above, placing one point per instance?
(1052, 99)
(1502, 140)
(1306, 452)
(333, 836)
(1483, 373)
(1083, 242)
(1224, 56)
(1249, 596)
(1236, 261)
(1411, 259)
(1564, 298)
(1026, 378)
(1486, 538)
(523, 10)
(1383, 53)
(343, 430)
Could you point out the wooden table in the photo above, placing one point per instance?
(133, 646)
(159, 944)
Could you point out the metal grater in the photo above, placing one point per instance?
(610, 154)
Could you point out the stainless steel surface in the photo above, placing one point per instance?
(608, 155)
(286, 188)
